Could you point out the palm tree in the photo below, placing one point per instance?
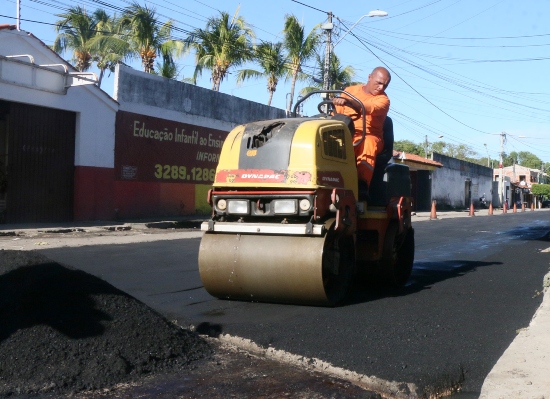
(271, 58)
(168, 68)
(300, 48)
(340, 77)
(75, 31)
(223, 44)
(147, 36)
(110, 45)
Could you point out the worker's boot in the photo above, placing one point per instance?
(363, 190)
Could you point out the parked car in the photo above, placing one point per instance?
(545, 204)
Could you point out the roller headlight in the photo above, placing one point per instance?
(238, 207)
(222, 205)
(285, 207)
(305, 204)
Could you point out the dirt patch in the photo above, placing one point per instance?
(67, 334)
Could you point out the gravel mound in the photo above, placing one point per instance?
(64, 331)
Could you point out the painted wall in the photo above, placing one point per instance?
(449, 182)
(168, 141)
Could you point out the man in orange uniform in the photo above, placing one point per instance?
(377, 104)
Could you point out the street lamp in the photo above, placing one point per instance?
(426, 144)
(328, 26)
(375, 13)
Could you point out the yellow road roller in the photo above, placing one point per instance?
(289, 223)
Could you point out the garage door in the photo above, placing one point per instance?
(39, 163)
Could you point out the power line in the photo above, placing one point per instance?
(416, 91)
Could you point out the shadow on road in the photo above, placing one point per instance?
(424, 275)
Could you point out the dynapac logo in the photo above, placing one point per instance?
(260, 176)
(331, 179)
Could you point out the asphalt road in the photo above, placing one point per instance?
(475, 283)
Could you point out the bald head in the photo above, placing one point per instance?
(379, 79)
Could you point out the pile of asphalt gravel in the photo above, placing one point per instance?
(64, 331)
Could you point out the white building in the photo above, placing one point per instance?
(57, 134)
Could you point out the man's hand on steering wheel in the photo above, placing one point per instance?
(347, 102)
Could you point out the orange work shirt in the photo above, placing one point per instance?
(376, 107)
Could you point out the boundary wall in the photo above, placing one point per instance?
(458, 182)
(169, 136)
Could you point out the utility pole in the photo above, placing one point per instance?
(18, 15)
(426, 146)
(487, 154)
(501, 183)
(328, 31)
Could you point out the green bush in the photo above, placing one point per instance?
(541, 189)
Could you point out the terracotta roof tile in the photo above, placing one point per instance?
(416, 158)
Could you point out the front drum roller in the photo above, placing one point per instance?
(284, 269)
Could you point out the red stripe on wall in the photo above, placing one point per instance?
(93, 193)
(99, 197)
(146, 199)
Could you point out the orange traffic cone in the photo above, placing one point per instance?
(490, 208)
(515, 208)
(505, 208)
(522, 207)
(433, 214)
(472, 210)
(532, 206)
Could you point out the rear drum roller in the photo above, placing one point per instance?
(286, 269)
(397, 257)
(338, 268)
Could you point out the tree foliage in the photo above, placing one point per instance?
(148, 37)
(340, 76)
(300, 48)
(272, 60)
(409, 147)
(523, 158)
(110, 44)
(541, 189)
(76, 29)
(226, 42)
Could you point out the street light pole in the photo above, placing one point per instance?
(501, 183)
(426, 146)
(486, 149)
(328, 30)
(328, 26)
(18, 19)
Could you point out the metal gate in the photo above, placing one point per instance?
(40, 164)
(467, 193)
(423, 190)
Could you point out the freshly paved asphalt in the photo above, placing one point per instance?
(476, 283)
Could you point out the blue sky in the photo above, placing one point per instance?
(462, 69)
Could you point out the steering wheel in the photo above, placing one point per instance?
(330, 107)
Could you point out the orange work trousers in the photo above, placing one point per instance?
(365, 153)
